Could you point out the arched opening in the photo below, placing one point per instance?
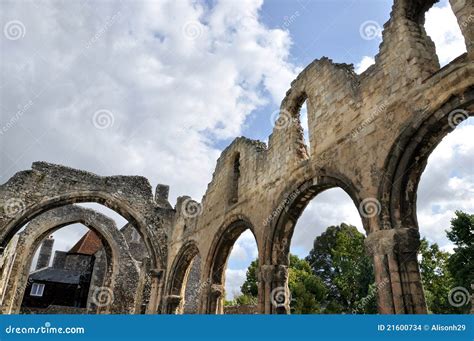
(330, 271)
(304, 113)
(134, 212)
(217, 263)
(67, 278)
(97, 273)
(26, 214)
(184, 286)
(318, 253)
(278, 296)
(443, 207)
(398, 192)
(241, 282)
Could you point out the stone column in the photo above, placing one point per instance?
(397, 273)
(155, 291)
(464, 11)
(173, 304)
(216, 294)
(277, 296)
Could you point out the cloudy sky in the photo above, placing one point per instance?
(159, 88)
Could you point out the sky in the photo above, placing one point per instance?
(160, 88)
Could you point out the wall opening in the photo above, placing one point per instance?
(445, 193)
(447, 36)
(234, 190)
(241, 291)
(64, 281)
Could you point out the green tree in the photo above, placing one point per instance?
(250, 286)
(338, 257)
(461, 263)
(307, 290)
(436, 278)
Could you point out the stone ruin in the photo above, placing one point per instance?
(369, 134)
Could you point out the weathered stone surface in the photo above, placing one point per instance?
(117, 294)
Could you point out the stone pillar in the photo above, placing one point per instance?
(215, 296)
(45, 253)
(156, 276)
(277, 296)
(464, 11)
(162, 192)
(397, 273)
(173, 304)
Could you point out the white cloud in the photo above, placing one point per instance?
(243, 253)
(239, 253)
(364, 64)
(233, 281)
(177, 76)
(331, 207)
(441, 25)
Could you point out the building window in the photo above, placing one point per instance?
(37, 289)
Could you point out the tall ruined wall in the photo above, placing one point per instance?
(369, 134)
(355, 124)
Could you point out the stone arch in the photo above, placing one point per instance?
(408, 156)
(118, 293)
(30, 193)
(216, 262)
(177, 277)
(395, 242)
(292, 203)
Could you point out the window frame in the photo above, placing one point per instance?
(37, 289)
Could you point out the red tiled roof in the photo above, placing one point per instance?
(89, 244)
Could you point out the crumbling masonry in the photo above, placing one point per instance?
(369, 134)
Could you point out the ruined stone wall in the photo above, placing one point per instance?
(241, 310)
(192, 289)
(369, 134)
(7, 260)
(358, 126)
